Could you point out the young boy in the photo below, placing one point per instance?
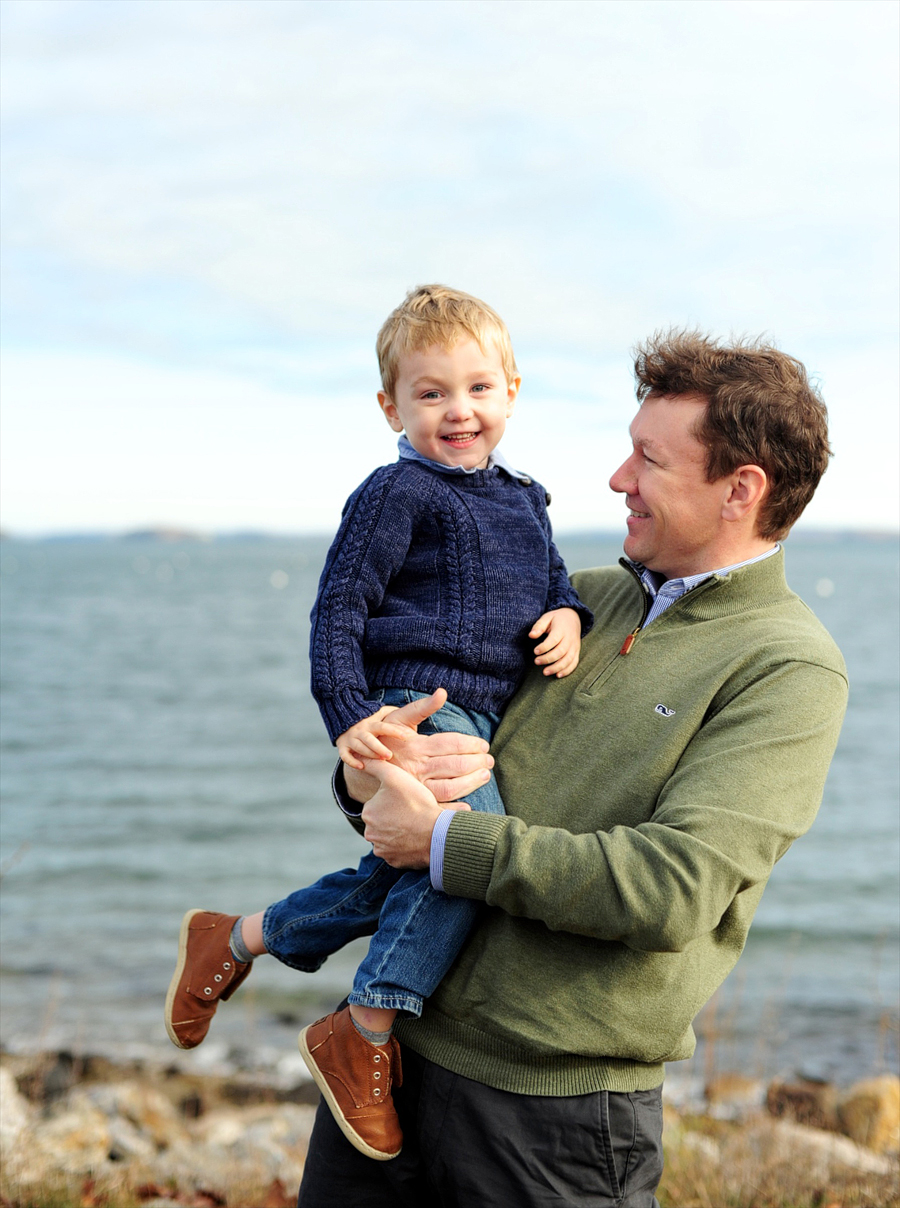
(442, 575)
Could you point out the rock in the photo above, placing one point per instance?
(16, 1113)
(145, 1109)
(869, 1113)
(74, 1140)
(731, 1096)
(804, 1102)
(818, 1153)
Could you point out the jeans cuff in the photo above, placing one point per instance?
(409, 1004)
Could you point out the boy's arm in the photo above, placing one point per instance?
(561, 593)
(370, 547)
(560, 650)
(364, 739)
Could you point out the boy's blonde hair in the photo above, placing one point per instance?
(436, 314)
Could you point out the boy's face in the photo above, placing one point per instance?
(453, 403)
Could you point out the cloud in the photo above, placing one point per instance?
(245, 190)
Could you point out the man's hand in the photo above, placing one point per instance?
(400, 817)
(448, 765)
(560, 650)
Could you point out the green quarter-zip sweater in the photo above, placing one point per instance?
(649, 795)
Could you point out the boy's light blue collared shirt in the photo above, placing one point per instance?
(663, 596)
(496, 458)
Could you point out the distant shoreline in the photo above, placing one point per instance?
(172, 534)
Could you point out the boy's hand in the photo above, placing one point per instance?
(362, 740)
(559, 652)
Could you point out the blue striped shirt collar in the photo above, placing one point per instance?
(496, 460)
(662, 594)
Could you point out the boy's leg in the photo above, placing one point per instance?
(301, 931)
(419, 933)
(420, 930)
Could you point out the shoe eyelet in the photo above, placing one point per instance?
(218, 977)
(207, 990)
(377, 1056)
(377, 1090)
(377, 1074)
(226, 965)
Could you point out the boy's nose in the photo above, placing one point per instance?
(459, 408)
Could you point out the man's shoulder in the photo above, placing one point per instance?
(791, 632)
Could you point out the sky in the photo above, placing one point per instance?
(210, 206)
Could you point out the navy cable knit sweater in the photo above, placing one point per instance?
(433, 581)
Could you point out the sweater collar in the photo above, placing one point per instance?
(654, 582)
(758, 582)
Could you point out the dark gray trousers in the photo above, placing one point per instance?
(470, 1146)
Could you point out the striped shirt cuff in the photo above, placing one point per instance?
(438, 842)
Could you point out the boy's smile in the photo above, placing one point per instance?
(453, 403)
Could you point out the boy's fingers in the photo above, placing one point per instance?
(348, 757)
(550, 643)
(370, 745)
(541, 625)
(564, 667)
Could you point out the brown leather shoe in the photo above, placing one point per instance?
(355, 1078)
(206, 972)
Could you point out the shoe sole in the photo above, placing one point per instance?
(328, 1095)
(176, 978)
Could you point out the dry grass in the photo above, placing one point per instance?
(693, 1179)
(718, 1165)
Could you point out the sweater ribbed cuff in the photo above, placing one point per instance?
(469, 853)
(343, 710)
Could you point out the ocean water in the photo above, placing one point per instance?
(160, 750)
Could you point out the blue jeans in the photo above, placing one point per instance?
(416, 931)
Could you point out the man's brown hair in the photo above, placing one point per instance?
(437, 314)
(761, 410)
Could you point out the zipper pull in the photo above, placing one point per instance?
(629, 641)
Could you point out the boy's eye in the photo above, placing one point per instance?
(481, 386)
(431, 394)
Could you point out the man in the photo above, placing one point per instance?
(649, 796)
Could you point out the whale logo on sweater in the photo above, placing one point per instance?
(663, 711)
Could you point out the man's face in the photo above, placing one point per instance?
(675, 525)
(452, 402)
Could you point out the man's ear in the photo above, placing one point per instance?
(748, 486)
(390, 411)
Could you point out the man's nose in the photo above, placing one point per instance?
(623, 479)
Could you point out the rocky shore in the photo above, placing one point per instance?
(87, 1132)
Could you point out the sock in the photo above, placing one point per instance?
(236, 943)
(372, 1037)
